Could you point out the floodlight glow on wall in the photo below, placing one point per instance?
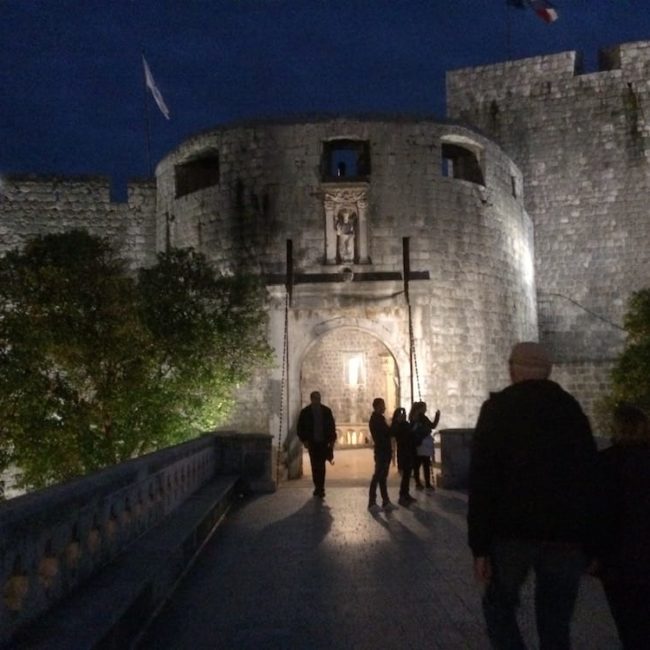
(355, 370)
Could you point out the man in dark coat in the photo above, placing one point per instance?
(531, 500)
(380, 432)
(317, 431)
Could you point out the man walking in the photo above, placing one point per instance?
(380, 432)
(531, 500)
(317, 432)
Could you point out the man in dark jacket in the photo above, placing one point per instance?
(317, 431)
(383, 451)
(531, 500)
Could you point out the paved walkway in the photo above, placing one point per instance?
(287, 571)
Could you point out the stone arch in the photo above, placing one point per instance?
(350, 367)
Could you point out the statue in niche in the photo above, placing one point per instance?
(345, 224)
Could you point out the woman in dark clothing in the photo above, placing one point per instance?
(401, 431)
(625, 545)
(422, 427)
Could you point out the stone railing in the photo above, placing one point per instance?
(53, 540)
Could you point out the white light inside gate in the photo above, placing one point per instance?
(355, 368)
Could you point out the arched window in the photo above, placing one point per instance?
(197, 173)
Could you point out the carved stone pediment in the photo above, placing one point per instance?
(346, 227)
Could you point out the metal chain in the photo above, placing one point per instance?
(285, 364)
(415, 359)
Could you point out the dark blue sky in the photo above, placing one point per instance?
(71, 80)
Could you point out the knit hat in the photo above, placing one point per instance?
(529, 360)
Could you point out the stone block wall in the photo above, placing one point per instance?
(582, 143)
(473, 240)
(33, 205)
(587, 381)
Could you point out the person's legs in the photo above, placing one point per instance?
(383, 466)
(317, 457)
(372, 495)
(416, 472)
(511, 561)
(426, 467)
(407, 468)
(558, 569)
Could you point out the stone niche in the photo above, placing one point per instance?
(346, 223)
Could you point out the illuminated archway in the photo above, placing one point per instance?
(350, 367)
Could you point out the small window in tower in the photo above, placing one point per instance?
(346, 160)
(461, 162)
(197, 173)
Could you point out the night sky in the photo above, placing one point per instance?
(72, 98)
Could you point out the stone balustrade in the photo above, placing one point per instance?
(53, 540)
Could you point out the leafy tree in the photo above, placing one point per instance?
(97, 366)
(631, 375)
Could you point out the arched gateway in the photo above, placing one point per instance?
(350, 361)
(350, 367)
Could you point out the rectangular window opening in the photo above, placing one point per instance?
(346, 160)
(197, 174)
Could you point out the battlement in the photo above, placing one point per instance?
(72, 190)
(630, 61)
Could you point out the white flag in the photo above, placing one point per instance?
(151, 84)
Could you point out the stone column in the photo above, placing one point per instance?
(362, 209)
(330, 231)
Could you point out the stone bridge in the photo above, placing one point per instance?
(194, 547)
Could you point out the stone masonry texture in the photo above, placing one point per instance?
(546, 241)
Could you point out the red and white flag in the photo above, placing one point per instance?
(151, 84)
(545, 10)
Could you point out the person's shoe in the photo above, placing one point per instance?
(319, 493)
(372, 506)
(419, 486)
(405, 501)
(410, 499)
(388, 505)
(430, 488)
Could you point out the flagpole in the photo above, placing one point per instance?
(147, 121)
(508, 32)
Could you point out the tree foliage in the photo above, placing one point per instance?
(98, 366)
(631, 374)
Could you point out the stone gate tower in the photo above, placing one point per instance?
(346, 192)
(582, 142)
(532, 199)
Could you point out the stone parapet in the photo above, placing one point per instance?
(55, 540)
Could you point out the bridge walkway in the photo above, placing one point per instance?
(288, 571)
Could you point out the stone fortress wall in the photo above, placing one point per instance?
(471, 242)
(582, 142)
(532, 137)
(39, 205)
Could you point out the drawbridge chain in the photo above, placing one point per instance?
(285, 369)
